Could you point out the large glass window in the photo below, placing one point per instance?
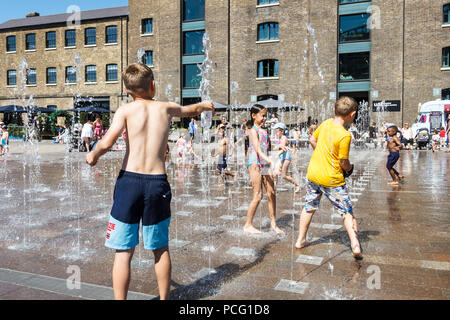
(193, 42)
(267, 68)
(193, 10)
(147, 59)
(111, 34)
(91, 74)
(354, 28)
(90, 36)
(11, 43)
(446, 94)
(50, 39)
(446, 11)
(147, 26)
(30, 41)
(111, 72)
(31, 76)
(51, 75)
(191, 76)
(268, 31)
(71, 75)
(262, 2)
(354, 66)
(12, 78)
(71, 38)
(446, 57)
(352, 1)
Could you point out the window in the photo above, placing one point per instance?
(446, 57)
(354, 28)
(266, 97)
(446, 14)
(12, 78)
(351, 1)
(50, 39)
(263, 2)
(91, 73)
(193, 42)
(71, 75)
(147, 26)
(71, 38)
(30, 41)
(193, 10)
(90, 36)
(111, 72)
(268, 31)
(51, 75)
(267, 68)
(148, 58)
(11, 43)
(31, 76)
(191, 76)
(446, 94)
(354, 66)
(111, 34)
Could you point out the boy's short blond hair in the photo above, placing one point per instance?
(344, 106)
(138, 78)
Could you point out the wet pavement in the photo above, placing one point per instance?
(54, 214)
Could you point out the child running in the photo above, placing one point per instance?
(142, 191)
(258, 163)
(181, 148)
(5, 138)
(284, 155)
(327, 169)
(394, 145)
(222, 147)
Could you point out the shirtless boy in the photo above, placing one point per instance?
(142, 190)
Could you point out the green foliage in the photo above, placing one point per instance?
(15, 130)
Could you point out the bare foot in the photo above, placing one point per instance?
(393, 183)
(356, 251)
(251, 229)
(400, 177)
(277, 230)
(297, 189)
(300, 244)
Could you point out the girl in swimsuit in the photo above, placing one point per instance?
(285, 157)
(258, 161)
(98, 128)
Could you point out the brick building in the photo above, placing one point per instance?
(304, 52)
(66, 56)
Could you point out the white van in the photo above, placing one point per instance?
(432, 116)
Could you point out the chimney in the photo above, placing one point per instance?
(33, 14)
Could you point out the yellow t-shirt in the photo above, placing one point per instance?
(333, 144)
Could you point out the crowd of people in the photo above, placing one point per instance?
(142, 191)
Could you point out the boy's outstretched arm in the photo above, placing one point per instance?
(114, 132)
(175, 110)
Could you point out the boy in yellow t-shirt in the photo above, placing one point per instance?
(327, 170)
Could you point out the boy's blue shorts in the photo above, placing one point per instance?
(392, 159)
(140, 197)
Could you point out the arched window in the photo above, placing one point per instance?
(267, 68)
(446, 14)
(446, 57)
(268, 31)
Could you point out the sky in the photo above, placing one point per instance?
(17, 9)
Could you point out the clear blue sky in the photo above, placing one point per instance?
(15, 9)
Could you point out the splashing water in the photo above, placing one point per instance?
(140, 55)
(205, 70)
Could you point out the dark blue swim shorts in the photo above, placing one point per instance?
(140, 197)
